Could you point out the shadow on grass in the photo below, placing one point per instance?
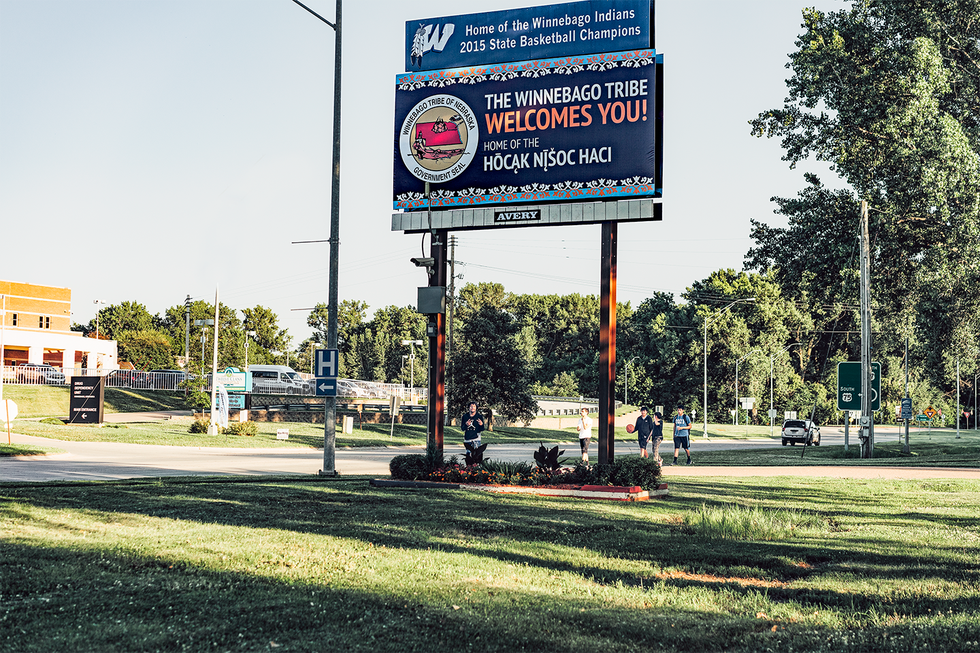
(527, 531)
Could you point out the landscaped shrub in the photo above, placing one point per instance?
(629, 472)
(242, 428)
(409, 467)
(626, 471)
(201, 426)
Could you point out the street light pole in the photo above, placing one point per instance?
(330, 403)
(707, 320)
(412, 360)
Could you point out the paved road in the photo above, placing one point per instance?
(108, 461)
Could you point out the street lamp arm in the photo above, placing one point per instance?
(315, 14)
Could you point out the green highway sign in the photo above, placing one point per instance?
(849, 386)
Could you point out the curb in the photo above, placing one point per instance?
(600, 492)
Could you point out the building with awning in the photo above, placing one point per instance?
(37, 329)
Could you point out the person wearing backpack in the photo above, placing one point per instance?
(682, 434)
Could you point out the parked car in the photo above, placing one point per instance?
(802, 431)
(278, 379)
(39, 373)
(348, 388)
(135, 379)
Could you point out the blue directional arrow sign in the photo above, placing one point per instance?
(326, 387)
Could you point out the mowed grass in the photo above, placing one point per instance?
(293, 565)
(942, 449)
(52, 401)
(301, 434)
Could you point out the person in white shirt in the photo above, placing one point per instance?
(584, 433)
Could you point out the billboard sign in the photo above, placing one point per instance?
(571, 129)
(572, 28)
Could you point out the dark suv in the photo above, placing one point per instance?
(798, 430)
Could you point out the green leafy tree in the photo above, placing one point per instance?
(268, 338)
(114, 319)
(488, 368)
(351, 315)
(146, 350)
(888, 93)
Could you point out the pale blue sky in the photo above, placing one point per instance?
(151, 149)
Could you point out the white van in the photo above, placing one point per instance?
(278, 380)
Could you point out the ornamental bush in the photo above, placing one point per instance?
(242, 428)
(409, 467)
(628, 472)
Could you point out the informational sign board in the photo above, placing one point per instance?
(86, 405)
(235, 380)
(906, 409)
(236, 401)
(555, 130)
(849, 386)
(572, 28)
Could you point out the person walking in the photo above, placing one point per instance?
(643, 429)
(584, 433)
(472, 424)
(682, 434)
(657, 437)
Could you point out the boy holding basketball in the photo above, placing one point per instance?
(643, 429)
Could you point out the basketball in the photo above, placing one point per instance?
(629, 428)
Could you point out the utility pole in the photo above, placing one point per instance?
(451, 301)
(907, 448)
(187, 333)
(330, 403)
(867, 417)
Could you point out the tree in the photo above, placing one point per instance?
(268, 336)
(488, 368)
(888, 92)
(146, 350)
(351, 315)
(114, 319)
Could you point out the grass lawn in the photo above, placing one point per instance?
(175, 433)
(748, 564)
(52, 401)
(941, 449)
(27, 450)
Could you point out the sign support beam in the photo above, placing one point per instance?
(607, 343)
(437, 348)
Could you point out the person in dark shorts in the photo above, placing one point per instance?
(682, 434)
(472, 424)
(657, 436)
(584, 428)
(643, 429)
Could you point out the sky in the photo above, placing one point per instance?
(154, 149)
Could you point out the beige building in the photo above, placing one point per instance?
(37, 329)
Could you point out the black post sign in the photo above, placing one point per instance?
(87, 400)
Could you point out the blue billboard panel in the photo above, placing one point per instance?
(568, 129)
(547, 32)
